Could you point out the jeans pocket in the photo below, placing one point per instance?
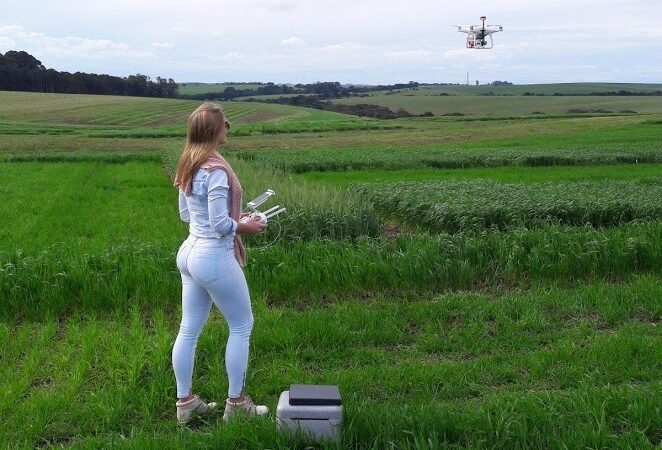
(205, 266)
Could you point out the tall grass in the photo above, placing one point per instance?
(84, 157)
(63, 279)
(313, 210)
(624, 172)
(456, 206)
(447, 157)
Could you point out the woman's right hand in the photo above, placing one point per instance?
(252, 227)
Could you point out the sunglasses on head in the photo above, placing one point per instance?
(227, 124)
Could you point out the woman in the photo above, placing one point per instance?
(210, 261)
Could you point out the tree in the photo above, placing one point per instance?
(24, 60)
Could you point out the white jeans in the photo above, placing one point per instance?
(210, 273)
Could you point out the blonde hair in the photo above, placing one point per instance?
(203, 129)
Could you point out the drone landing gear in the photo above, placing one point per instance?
(480, 44)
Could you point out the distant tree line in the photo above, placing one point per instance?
(327, 89)
(230, 92)
(317, 102)
(20, 71)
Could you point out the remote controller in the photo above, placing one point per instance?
(266, 215)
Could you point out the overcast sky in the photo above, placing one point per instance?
(352, 41)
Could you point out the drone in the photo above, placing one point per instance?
(477, 34)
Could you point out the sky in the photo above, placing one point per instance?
(351, 41)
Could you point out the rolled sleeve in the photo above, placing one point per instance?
(217, 198)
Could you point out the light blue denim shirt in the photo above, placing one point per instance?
(207, 209)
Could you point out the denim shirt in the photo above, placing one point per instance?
(207, 209)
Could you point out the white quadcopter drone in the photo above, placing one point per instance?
(266, 215)
(477, 34)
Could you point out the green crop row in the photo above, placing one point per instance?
(62, 278)
(460, 205)
(325, 160)
(165, 131)
(78, 156)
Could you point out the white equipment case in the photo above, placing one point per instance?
(316, 410)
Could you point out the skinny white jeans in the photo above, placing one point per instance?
(211, 274)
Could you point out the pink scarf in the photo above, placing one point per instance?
(216, 161)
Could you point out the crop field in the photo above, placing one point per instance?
(540, 89)
(133, 111)
(455, 206)
(203, 88)
(430, 100)
(546, 89)
(466, 283)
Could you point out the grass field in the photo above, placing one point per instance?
(457, 206)
(429, 100)
(513, 174)
(467, 284)
(558, 142)
(131, 111)
(545, 89)
(203, 88)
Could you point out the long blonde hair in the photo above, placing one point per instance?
(203, 129)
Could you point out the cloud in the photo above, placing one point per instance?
(292, 41)
(407, 54)
(162, 44)
(365, 41)
(472, 55)
(278, 5)
(42, 45)
(345, 46)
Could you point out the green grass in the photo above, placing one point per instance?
(457, 144)
(31, 114)
(123, 229)
(510, 175)
(128, 111)
(88, 206)
(505, 105)
(73, 200)
(548, 89)
(313, 210)
(61, 278)
(203, 88)
(545, 368)
(490, 154)
(460, 205)
(420, 133)
(539, 337)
